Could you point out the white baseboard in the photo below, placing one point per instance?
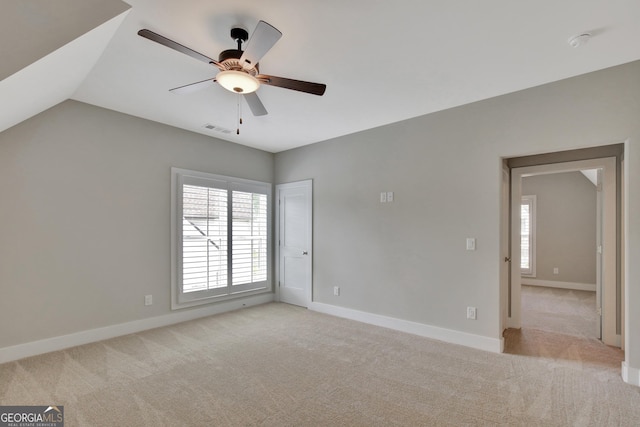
(480, 342)
(630, 375)
(561, 285)
(8, 354)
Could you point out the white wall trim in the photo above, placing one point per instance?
(480, 342)
(561, 285)
(8, 354)
(630, 375)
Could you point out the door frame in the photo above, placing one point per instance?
(307, 185)
(609, 243)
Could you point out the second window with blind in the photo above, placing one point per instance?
(221, 235)
(528, 236)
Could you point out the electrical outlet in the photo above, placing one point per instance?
(389, 196)
(336, 291)
(556, 270)
(148, 299)
(471, 313)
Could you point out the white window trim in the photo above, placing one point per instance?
(231, 184)
(531, 201)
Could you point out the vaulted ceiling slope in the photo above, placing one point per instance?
(382, 62)
(48, 50)
(32, 29)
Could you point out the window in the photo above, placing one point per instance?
(528, 236)
(221, 236)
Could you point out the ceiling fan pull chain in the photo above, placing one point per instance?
(238, 119)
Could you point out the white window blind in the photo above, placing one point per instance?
(527, 235)
(204, 238)
(249, 237)
(222, 237)
(525, 229)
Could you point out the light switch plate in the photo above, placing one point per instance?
(383, 197)
(389, 196)
(471, 244)
(472, 313)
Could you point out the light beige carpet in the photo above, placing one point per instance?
(561, 324)
(563, 311)
(280, 365)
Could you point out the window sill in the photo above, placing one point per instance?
(175, 305)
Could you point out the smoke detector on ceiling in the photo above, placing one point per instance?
(579, 40)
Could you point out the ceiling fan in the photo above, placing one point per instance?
(238, 69)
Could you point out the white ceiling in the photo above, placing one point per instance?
(382, 61)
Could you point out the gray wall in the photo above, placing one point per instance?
(407, 259)
(565, 226)
(85, 216)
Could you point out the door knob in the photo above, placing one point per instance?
(507, 259)
(305, 253)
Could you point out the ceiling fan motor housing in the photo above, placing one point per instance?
(229, 54)
(230, 60)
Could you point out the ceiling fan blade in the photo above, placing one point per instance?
(262, 39)
(256, 106)
(148, 34)
(192, 87)
(299, 85)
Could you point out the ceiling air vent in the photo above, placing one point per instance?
(216, 128)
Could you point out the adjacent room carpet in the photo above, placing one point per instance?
(564, 311)
(280, 365)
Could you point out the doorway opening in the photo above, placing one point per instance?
(560, 260)
(580, 283)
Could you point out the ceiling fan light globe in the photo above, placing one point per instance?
(237, 81)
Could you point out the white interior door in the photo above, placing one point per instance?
(294, 223)
(599, 253)
(505, 264)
